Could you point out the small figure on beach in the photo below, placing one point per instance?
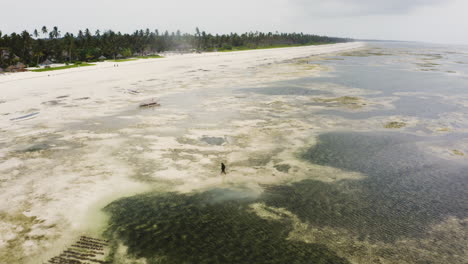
(223, 168)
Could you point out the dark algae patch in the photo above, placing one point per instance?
(283, 167)
(404, 190)
(283, 90)
(210, 227)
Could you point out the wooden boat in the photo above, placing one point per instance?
(25, 117)
(151, 103)
(130, 91)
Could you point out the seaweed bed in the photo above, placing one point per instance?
(405, 191)
(395, 124)
(207, 227)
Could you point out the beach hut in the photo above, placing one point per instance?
(119, 56)
(46, 63)
(102, 58)
(11, 68)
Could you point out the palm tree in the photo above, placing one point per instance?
(88, 37)
(69, 41)
(35, 33)
(38, 55)
(198, 37)
(56, 32)
(44, 30)
(26, 39)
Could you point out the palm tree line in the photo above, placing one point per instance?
(51, 44)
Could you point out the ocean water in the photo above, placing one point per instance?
(410, 204)
(364, 161)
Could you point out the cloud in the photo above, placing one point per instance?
(428, 20)
(363, 7)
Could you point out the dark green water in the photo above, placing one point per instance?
(403, 192)
(211, 227)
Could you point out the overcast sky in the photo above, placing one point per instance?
(440, 21)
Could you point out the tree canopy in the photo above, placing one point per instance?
(54, 45)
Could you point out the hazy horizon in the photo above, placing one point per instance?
(435, 21)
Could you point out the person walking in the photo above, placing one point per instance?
(223, 168)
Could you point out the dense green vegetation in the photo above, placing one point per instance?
(33, 49)
(150, 57)
(123, 60)
(240, 48)
(64, 67)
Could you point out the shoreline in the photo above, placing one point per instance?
(172, 55)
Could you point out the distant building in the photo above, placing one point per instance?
(102, 58)
(119, 56)
(18, 67)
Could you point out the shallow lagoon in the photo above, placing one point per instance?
(405, 209)
(405, 194)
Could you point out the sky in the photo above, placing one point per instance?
(437, 21)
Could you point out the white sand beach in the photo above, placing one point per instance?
(73, 140)
(22, 92)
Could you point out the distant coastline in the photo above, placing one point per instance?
(44, 47)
